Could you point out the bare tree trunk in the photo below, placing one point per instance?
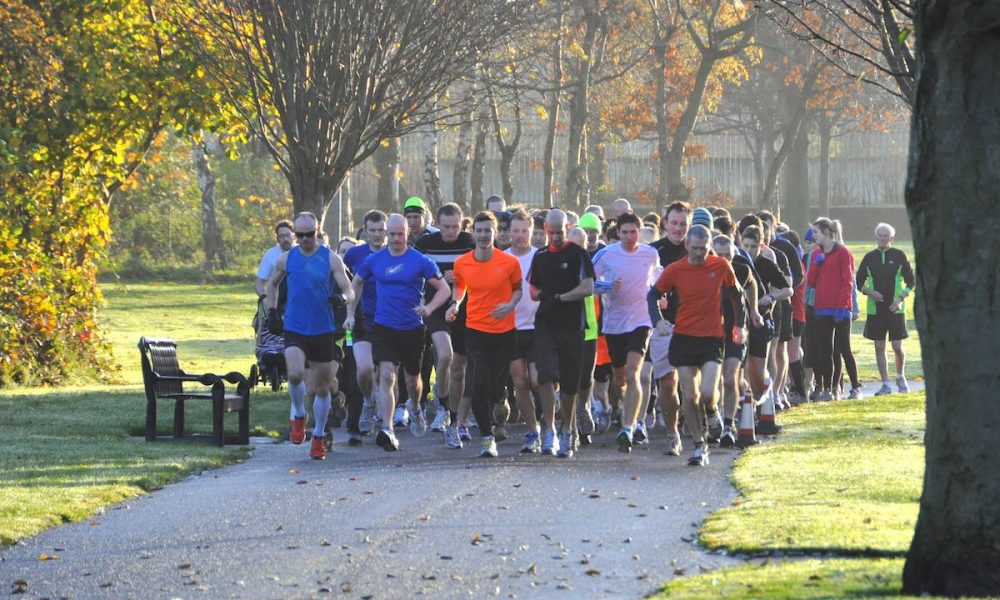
(577, 184)
(211, 235)
(662, 131)
(387, 171)
(951, 198)
(342, 222)
(477, 201)
(432, 176)
(795, 201)
(794, 121)
(548, 158)
(506, 144)
(676, 188)
(825, 136)
(597, 163)
(460, 178)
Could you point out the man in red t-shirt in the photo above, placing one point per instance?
(696, 348)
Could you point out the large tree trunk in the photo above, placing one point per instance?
(548, 157)
(597, 163)
(432, 176)
(662, 130)
(577, 183)
(676, 188)
(339, 220)
(211, 235)
(951, 196)
(387, 171)
(795, 202)
(825, 137)
(477, 201)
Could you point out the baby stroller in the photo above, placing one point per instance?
(269, 347)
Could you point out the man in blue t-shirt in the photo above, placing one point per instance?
(397, 331)
(310, 329)
(361, 421)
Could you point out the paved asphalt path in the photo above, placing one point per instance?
(424, 521)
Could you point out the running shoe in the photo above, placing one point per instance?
(884, 390)
(452, 439)
(824, 396)
(550, 444)
(463, 433)
(640, 435)
(728, 439)
(500, 432)
(584, 439)
(401, 417)
(532, 443)
(418, 424)
(616, 417)
(584, 420)
(575, 439)
(624, 440)
(471, 422)
(297, 430)
(659, 418)
(565, 445)
(317, 450)
(650, 421)
(602, 421)
(901, 385)
(714, 428)
(442, 420)
(501, 412)
(489, 449)
(386, 440)
(674, 445)
(855, 394)
(700, 457)
(354, 439)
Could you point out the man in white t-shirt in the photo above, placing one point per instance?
(522, 365)
(284, 241)
(630, 268)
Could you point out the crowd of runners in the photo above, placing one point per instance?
(574, 325)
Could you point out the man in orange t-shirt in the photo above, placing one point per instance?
(698, 336)
(490, 282)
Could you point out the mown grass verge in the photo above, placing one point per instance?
(843, 479)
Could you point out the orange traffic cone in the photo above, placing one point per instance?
(766, 425)
(746, 437)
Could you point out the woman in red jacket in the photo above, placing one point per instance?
(830, 275)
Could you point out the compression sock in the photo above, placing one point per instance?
(321, 408)
(298, 394)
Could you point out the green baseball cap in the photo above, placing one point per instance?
(589, 221)
(413, 204)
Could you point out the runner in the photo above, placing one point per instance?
(522, 364)
(490, 281)
(417, 219)
(561, 277)
(831, 275)
(628, 266)
(670, 247)
(284, 239)
(788, 261)
(397, 334)
(774, 287)
(885, 276)
(444, 247)
(363, 422)
(589, 229)
(696, 349)
(309, 327)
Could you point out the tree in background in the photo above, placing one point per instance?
(951, 196)
(331, 79)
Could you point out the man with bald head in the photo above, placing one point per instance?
(311, 331)
(619, 207)
(561, 276)
(399, 274)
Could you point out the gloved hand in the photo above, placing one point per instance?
(339, 308)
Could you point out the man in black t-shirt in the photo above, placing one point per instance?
(561, 277)
(774, 287)
(444, 247)
(673, 227)
(787, 258)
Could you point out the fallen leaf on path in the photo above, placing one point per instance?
(678, 572)
(301, 482)
(325, 543)
(592, 572)
(533, 569)
(293, 471)
(184, 566)
(44, 556)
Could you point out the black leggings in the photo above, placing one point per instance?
(832, 339)
(843, 356)
(488, 364)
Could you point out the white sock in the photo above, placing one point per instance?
(298, 395)
(321, 408)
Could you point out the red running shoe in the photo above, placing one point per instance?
(318, 449)
(297, 430)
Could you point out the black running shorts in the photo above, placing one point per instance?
(398, 347)
(558, 356)
(884, 323)
(321, 348)
(620, 344)
(689, 351)
(759, 339)
(524, 345)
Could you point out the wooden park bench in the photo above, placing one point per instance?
(164, 380)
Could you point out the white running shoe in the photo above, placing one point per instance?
(401, 417)
(442, 420)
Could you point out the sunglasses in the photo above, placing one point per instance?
(305, 234)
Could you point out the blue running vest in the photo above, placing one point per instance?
(310, 285)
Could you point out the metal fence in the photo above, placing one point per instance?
(866, 169)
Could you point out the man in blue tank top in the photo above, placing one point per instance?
(399, 274)
(310, 328)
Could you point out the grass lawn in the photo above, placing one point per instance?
(68, 452)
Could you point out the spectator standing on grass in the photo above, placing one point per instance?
(310, 327)
(885, 276)
(831, 276)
